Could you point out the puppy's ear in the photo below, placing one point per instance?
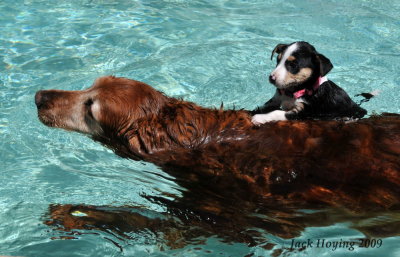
(278, 49)
(325, 65)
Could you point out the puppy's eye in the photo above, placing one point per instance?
(293, 65)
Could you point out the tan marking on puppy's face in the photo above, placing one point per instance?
(296, 79)
(291, 58)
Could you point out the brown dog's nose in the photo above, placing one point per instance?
(39, 99)
(42, 97)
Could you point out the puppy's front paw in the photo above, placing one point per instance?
(259, 119)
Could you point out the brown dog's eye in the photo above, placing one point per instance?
(89, 102)
(88, 105)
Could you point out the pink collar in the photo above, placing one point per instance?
(304, 91)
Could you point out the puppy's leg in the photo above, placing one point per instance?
(259, 119)
(294, 112)
(273, 104)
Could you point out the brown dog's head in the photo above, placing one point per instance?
(110, 103)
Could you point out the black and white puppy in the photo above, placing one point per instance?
(303, 91)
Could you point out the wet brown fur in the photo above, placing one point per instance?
(218, 153)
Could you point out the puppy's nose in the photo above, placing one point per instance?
(272, 78)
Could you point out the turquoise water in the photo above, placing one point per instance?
(204, 51)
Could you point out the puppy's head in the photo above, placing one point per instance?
(298, 63)
(109, 104)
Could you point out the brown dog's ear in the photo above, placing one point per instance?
(325, 65)
(278, 49)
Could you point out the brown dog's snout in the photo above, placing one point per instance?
(43, 97)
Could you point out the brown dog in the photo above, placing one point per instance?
(226, 163)
(324, 161)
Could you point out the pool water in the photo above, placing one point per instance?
(204, 51)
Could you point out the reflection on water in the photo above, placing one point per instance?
(180, 227)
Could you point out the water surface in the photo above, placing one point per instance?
(203, 51)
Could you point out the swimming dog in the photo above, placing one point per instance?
(303, 91)
(231, 175)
